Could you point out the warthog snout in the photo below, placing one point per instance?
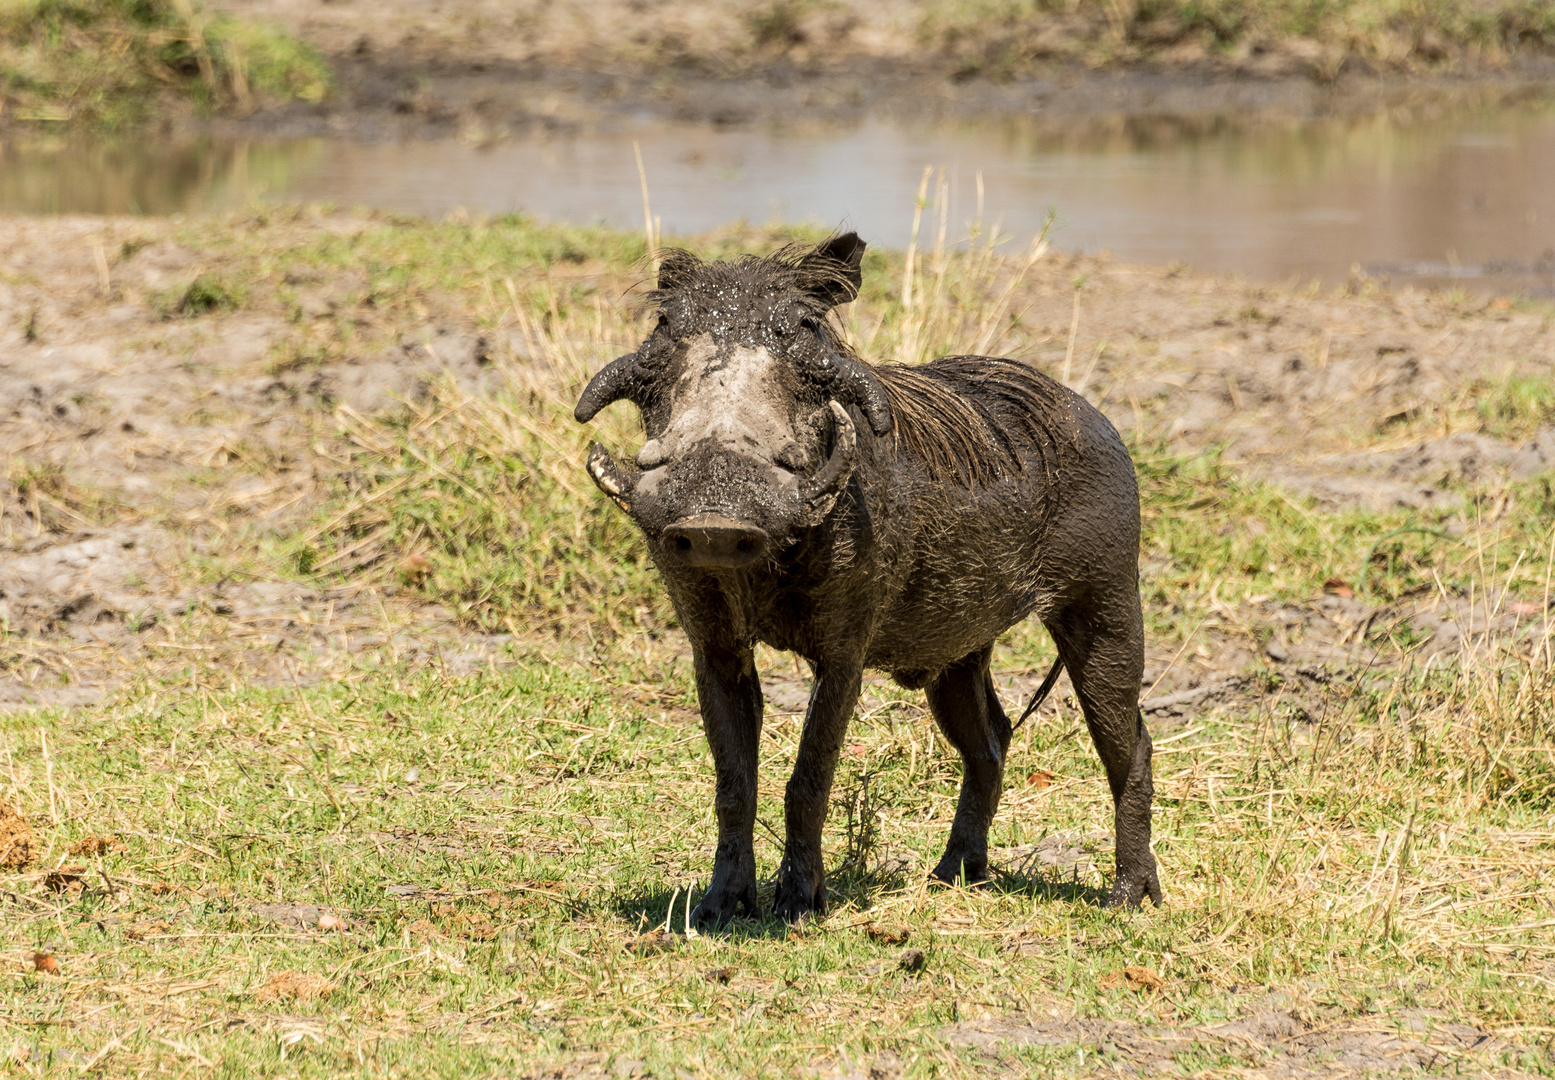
(714, 540)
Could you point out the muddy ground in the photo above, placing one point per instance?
(485, 70)
(132, 440)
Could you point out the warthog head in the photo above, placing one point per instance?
(745, 394)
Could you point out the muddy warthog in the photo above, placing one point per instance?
(896, 518)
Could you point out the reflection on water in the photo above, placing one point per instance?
(1468, 198)
(126, 177)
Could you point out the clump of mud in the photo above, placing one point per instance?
(18, 843)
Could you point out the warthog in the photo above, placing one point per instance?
(896, 518)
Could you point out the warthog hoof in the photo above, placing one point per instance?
(960, 871)
(1132, 886)
(720, 904)
(797, 900)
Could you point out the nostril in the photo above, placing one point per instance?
(714, 540)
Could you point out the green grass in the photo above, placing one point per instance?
(1517, 405)
(113, 64)
(1211, 534)
(554, 810)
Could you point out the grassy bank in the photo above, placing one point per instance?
(960, 38)
(397, 868)
(112, 64)
(1002, 37)
(412, 874)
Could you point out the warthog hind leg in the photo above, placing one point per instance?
(1102, 645)
(967, 709)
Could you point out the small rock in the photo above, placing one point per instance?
(331, 922)
(911, 960)
(412, 775)
(1276, 651)
(719, 975)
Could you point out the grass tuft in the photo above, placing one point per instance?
(206, 293)
(112, 64)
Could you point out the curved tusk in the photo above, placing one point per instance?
(614, 381)
(609, 477)
(821, 492)
(861, 387)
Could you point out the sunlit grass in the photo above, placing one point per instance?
(1371, 842)
(108, 64)
(492, 843)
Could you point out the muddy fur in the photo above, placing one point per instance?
(892, 518)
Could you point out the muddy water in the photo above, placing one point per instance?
(1468, 200)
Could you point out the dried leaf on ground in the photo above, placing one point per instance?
(888, 933)
(295, 986)
(1040, 779)
(654, 941)
(95, 845)
(1135, 978)
(1338, 587)
(720, 975)
(47, 963)
(18, 844)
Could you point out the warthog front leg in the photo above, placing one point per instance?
(729, 693)
(1103, 649)
(801, 887)
(967, 709)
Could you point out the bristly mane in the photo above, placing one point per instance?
(785, 270)
(968, 419)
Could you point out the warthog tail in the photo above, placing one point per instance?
(1042, 692)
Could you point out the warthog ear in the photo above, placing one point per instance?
(831, 272)
(676, 269)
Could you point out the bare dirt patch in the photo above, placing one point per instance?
(1277, 1035)
(295, 986)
